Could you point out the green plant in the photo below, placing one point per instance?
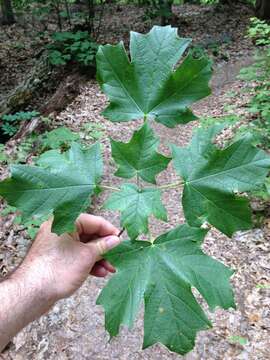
(259, 74)
(160, 271)
(263, 286)
(92, 131)
(226, 121)
(208, 2)
(21, 152)
(72, 46)
(3, 155)
(257, 77)
(10, 122)
(259, 30)
(31, 226)
(259, 105)
(25, 149)
(60, 138)
(236, 339)
(158, 8)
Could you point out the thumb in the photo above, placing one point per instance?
(100, 246)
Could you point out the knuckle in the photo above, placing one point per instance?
(79, 225)
(101, 247)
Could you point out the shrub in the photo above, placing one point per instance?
(10, 123)
(75, 47)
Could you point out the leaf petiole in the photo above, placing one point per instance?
(107, 187)
(161, 187)
(171, 186)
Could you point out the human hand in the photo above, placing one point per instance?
(59, 265)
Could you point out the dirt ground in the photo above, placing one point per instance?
(74, 328)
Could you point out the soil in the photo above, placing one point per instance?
(74, 328)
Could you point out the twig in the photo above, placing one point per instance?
(121, 232)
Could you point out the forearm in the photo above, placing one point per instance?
(54, 268)
(22, 300)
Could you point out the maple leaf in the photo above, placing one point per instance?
(162, 274)
(147, 85)
(139, 156)
(136, 205)
(213, 176)
(63, 187)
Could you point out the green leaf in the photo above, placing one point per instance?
(53, 159)
(139, 156)
(135, 206)
(58, 137)
(3, 155)
(147, 85)
(212, 177)
(236, 339)
(162, 275)
(63, 187)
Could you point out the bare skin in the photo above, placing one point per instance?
(54, 268)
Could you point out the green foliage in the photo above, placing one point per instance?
(23, 150)
(31, 226)
(214, 177)
(10, 123)
(136, 206)
(259, 73)
(139, 157)
(208, 2)
(259, 30)
(236, 339)
(60, 138)
(158, 8)
(3, 155)
(76, 47)
(147, 86)
(159, 271)
(162, 274)
(259, 106)
(225, 121)
(92, 131)
(263, 286)
(39, 190)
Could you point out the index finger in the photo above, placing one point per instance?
(90, 224)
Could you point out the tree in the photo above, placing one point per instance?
(263, 9)
(7, 12)
(165, 8)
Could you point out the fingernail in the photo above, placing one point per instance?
(112, 241)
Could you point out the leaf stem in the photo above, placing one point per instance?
(170, 186)
(161, 187)
(138, 181)
(121, 232)
(145, 118)
(106, 187)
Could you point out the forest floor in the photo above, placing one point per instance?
(74, 328)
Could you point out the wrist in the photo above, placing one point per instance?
(23, 299)
(31, 280)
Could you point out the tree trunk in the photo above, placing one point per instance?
(165, 8)
(91, 15)
(68, 89)
(263, 9)
(24, 92)
(7, 12)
